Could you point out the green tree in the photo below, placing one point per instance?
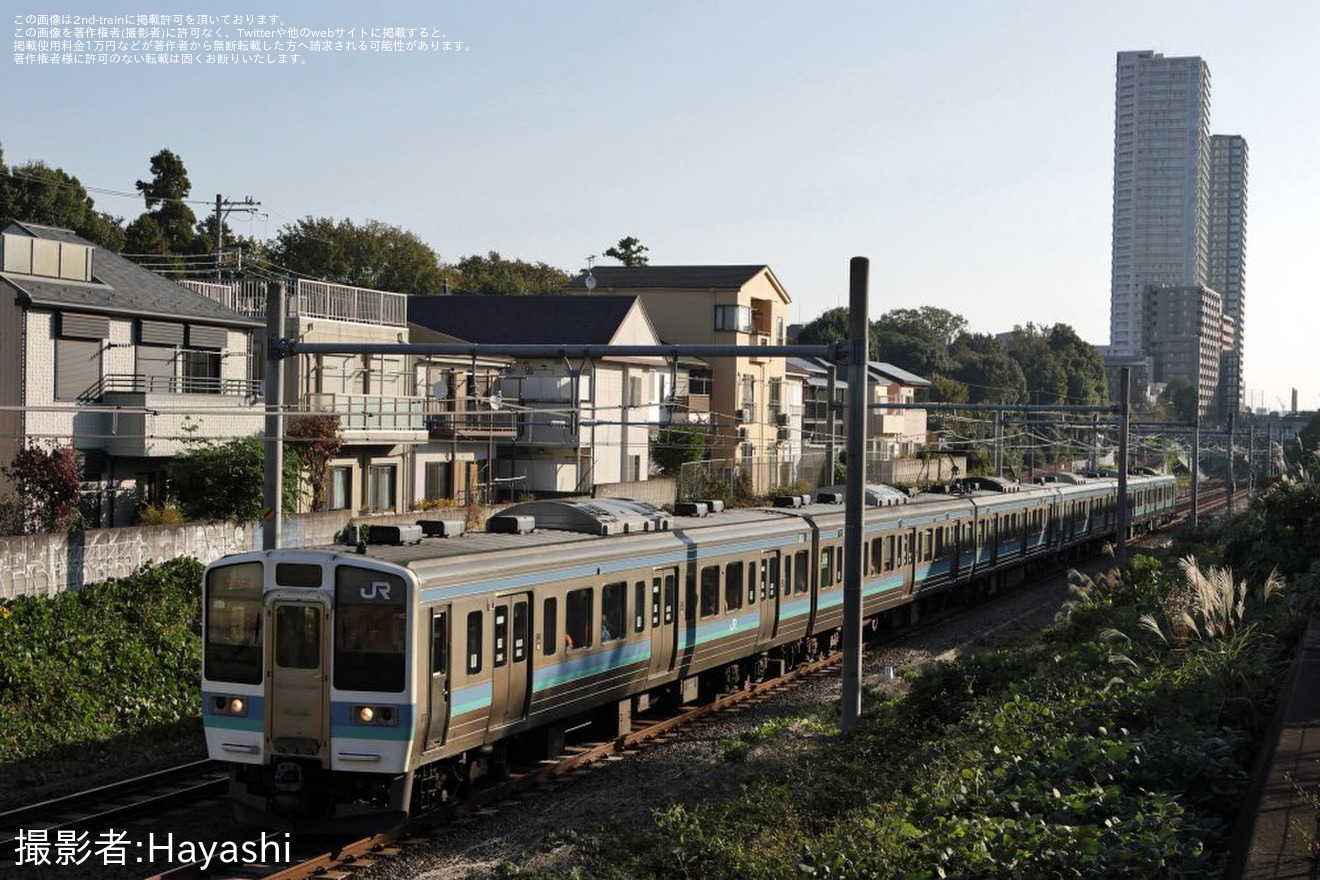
(165, 194)
(1180, 400)
(676, 445)
(226, 481)
(494, 275)
(373, 254)
(943, 324)
(47, 485)
(317, 438)
(629, 251)
(34, 193)
(906, 339)
(985, 367)
(832, 326)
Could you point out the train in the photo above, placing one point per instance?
(351, 685)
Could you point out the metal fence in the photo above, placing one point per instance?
(746, 479)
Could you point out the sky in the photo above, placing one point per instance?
(964, 147)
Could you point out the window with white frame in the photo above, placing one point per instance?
(734, 318)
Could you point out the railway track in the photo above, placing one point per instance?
(111, 804)
(329, 857)
(326, 857)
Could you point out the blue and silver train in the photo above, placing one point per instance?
(349, 685)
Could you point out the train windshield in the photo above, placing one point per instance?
(233, 623)
(371, 612)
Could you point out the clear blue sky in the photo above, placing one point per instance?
(964, 147)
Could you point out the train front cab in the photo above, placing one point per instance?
(306, 691)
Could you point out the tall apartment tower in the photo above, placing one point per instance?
(1227, 268)
(1161, 186)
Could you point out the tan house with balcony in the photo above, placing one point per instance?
(744, 399)
(556, 426)
(122, 364)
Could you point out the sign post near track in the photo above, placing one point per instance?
(855, 499)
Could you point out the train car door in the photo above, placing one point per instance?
(437, 710)
(769, 596)
(296, 696)
(511, 659)
(664, 619)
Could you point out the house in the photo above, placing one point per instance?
(891, 433)
(742, 399)
(123, 364)
(573, 425)
(379, 398)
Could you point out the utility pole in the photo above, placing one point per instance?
(223, 208)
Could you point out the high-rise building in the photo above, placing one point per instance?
(1179, 224)
(1161, 185)
(1227, 266)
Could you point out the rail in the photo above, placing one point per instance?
(138, 383)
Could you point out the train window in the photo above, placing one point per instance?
(690, 609)
(733, 586)
(297, 574)
(613, 610)
(801, 565)
(233, 623)
(298, 636)
(874, 553)
(473, 642)
(371, 613)
(501, 655)
(751, 583)
(519, 631)
(770, 577)
(938, 549)
(710, 591)
(439, 642)
(826, 567)
(550, 621)
(671, 597)
(639, 606)
(578, 628)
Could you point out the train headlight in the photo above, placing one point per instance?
(222, 705)
(366, 714)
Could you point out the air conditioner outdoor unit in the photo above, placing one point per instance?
(782, 419)
(742, 433)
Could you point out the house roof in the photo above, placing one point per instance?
(817, 372)
(522, 320)
(700, 277)
(902, 377)
(119, 286)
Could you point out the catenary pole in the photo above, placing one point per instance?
(1125, 402)
(273, 515)
(858, 366)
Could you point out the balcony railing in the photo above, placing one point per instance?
(312, 299)
(134, 383)
(472, 425)
(372, 412)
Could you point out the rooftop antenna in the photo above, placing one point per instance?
(590, 280)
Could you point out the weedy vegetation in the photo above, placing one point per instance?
(1117, 742)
